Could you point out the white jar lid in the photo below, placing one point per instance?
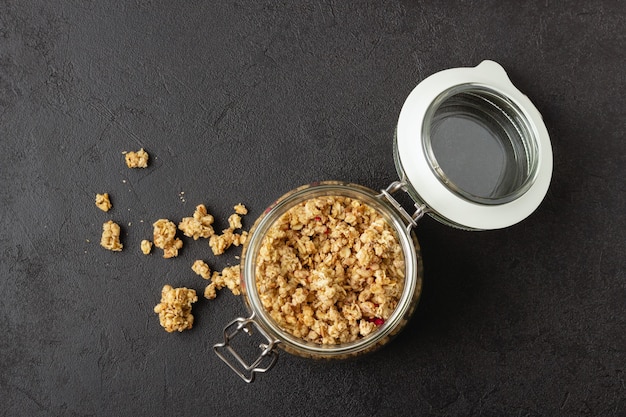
(447, 128)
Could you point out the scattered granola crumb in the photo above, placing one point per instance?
(241, 209)
(199, 225)
(164, 237)
(137, 159)
(229, 277)
(174, 310)
(234, 221)
(240, 238)
(201, 268)
(219, 243)
(111, 236)
(146, 246)
(330, 270)
(103, 202)
(209, 292)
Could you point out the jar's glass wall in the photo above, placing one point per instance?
(479, 145)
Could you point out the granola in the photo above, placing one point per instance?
(137, 159)
(111, 236)
(234, 221)
(330, 270)
(199, 225)
(103, 202)
(229, 277)
(174, 310)
(164, 237)
(219, 243)
(241, 209)
(210, 292)
(201, 268)
(146, 247)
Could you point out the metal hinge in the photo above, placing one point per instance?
(411, 220)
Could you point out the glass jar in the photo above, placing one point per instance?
(471, 151)
(473, 148)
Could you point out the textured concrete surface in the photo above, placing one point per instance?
(243, 101)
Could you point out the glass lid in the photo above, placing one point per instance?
(473, 148)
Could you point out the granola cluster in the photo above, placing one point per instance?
(137, 159)
(241, 209)
(219, 243)
(229, 277)
(111, 236)
(146, 247)
(330, 270)
(103, 202)
(164, 237)
(199, 225)
(201, 268)
(174, 310)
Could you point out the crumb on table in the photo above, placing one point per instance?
(146, 247)
(220, 243)
(174, 310)
(199, 225)
(103, 202)
(234, 221)
(111, 236)
(241, 209)
(201, 268)
(164, 237)
(137, 159)
(229, 277)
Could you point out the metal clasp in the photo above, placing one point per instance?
(263, 363)
(420, 209)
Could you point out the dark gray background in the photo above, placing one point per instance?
(243, 101)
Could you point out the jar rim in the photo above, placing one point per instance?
(262, 225)
(417, 167)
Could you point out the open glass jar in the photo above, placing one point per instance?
(471, 151)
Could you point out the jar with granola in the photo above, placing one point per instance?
(333, 270)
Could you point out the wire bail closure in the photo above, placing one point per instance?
(239, 365)
(411, 219)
